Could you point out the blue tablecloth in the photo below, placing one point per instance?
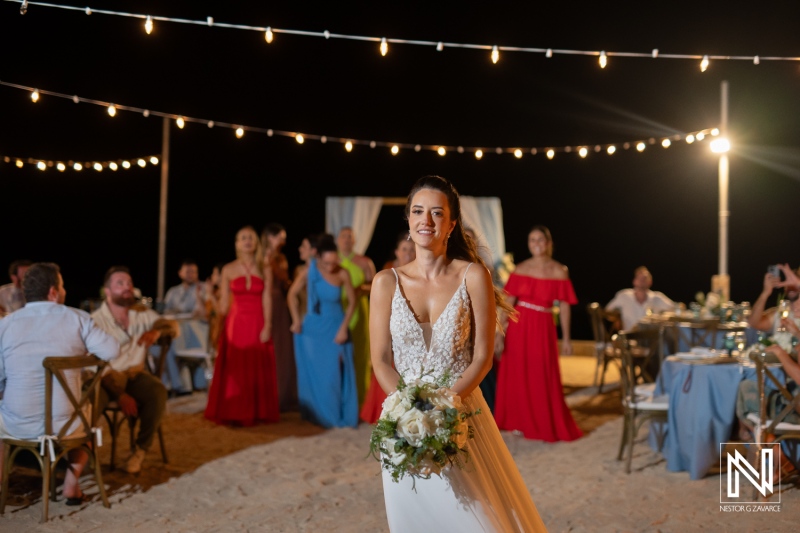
(702, 412)
(194, 334)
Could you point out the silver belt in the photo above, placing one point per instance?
(536, 307)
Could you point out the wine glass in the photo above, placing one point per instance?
(784, 310)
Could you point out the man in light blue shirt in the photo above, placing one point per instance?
(45, 328)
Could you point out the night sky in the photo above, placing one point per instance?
(608, 214)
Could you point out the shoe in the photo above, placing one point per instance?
(134, 463)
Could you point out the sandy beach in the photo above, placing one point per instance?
(293, 476)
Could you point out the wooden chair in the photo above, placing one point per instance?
(638, 406)
(50, 448)
(602, 330)
(695, 333)
(114, 415)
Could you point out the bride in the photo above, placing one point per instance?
(435, 314)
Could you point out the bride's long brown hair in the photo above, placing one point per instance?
(459, 245)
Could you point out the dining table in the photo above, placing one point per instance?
(684, 330)
(702, 389)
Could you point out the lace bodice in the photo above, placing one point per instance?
(451, 337)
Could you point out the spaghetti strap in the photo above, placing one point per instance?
(465, 272)
(396, 277)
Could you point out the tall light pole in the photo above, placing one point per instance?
(721, 145)
(162, 217)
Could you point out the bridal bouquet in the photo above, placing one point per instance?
(423, 428)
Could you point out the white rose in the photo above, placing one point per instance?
(396, 458)
(395, 405)
(445, 399)
(412, 427)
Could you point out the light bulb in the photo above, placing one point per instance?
(348, 146)
(239, 133)
(19, 163)
(323, 139)
(655, 53)
(689, 139)
(478, 154)
(439, 46)
(395, 149)
(77, 166)
(61, 167)
(112, 111)
(41, 165)
(113, 166)
(495, 54)
(583, 151)
(35, 96)
(603, 60)
(146, 113)
(268, 36)
(715, 132)
(704, 64)
(666, 143)
(373, 144)
(98, 167)
(299, 138)
(756, 60)
(518, 153)
(441, 150)
(384, 46)
(153, 160)
(210, 124)
(126, 165)
(611, 149)
(417, 147)
(148, 25)
(720, 146)
(640, 146)
(551, 153)
(700, 136)
(141, 163)
(180, 122)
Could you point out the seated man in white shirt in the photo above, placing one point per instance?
(11, 296)
(136, 328)
(634, 303)
(187, 299)
(45, 328)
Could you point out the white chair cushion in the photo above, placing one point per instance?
(782, 426)
(644, 403)
(193, 353)
(645, 389)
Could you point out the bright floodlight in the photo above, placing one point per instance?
(720, 146)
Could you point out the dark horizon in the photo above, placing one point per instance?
(608, 214)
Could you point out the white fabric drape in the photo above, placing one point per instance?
(485, 216)
(357, 212)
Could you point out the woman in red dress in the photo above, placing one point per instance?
(404, 252)
(529, 394)
(244, 390)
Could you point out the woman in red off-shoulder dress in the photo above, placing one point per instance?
(529, 394)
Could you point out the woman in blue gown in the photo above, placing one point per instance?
(326, 386)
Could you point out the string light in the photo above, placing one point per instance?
(495, 54)
(98, 167)
(438, 45)
(666, 143)
(19, 163)
(715, 132)
(583, 152)
(112, 111)
(384, 46)
(299, 138)
(268, 36)
(721, 145)
(611, 149)
(153, 160)
(349, 143)
(44, 164)
(518, 153)
(603, 60)
(113, 166)
(395, 149)
(704, 64)
(126, 165)
(41, 165)
(640, 146)
(61, 167)
(78, 167)
(35, 96)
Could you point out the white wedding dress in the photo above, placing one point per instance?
(488, 494)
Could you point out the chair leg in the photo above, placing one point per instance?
(6, 471)
(98, 474)
(624, 439)
(46, 472)
(631, 439)
(602, 377)
(163, 448)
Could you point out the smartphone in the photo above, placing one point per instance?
(774, 270)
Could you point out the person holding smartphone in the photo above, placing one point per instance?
(769, 319)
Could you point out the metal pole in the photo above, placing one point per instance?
(162, 217)
(724, 214)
